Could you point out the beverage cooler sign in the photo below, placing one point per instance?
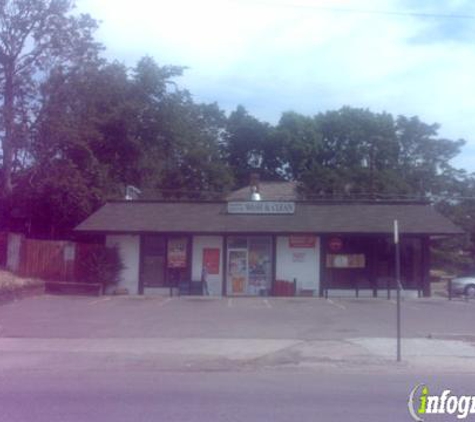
(177, 252)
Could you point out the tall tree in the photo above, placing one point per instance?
(34, 35)
(424, 158)
(181, 141)
(80, 148)
(301, 142)
(102, 126)
(250, 147)
(359, 150)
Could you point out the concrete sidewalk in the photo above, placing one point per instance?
(237, 354)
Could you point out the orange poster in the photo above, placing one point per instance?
(177, 252)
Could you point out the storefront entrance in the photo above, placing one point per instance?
(165, 261)
(249, 265)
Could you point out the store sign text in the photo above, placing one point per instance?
(261, 207)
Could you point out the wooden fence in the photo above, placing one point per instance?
(45, 259)
(53, 260)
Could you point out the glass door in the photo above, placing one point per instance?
(260, 265)
(237, 271)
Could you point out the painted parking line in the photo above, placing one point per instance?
(48, 296)
(461, 301)
(338, 305)
(104, 299)
(267, 304)
(405, 305)
(165, 302)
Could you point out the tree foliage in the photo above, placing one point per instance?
(35, 35)
(101, 127)
(77, 129)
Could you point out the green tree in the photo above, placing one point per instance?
(181, 141)
(301, 143)
(34, 35)
(356, 152)
(79, 147)
(101, 127)
(424, 158)
(251, 145)
(359, 150)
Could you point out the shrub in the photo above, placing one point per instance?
(101, 265)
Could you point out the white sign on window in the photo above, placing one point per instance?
(299, 257)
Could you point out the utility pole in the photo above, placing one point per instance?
(398, 286)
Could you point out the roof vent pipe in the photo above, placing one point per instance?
(254, 185)
(131, 193)
(255, 195)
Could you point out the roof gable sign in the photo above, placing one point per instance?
(261, 207)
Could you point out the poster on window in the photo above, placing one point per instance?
(237, 269)
(211, 260)
(346, 261)
(176, 256)
(260, 265)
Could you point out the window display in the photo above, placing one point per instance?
(237, 270)
(249, 265)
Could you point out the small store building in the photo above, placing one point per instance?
(272, 245)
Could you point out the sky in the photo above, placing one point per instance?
(405, 57)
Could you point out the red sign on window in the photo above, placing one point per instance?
(211, 260)
(302, 241)
(335, 244)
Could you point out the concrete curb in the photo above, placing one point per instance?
(19, 294)
(350, 354)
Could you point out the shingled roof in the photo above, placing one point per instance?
(212, 217)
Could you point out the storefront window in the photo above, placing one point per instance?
(153, 261)
(369, 263)
(177, 260)
(249, 265)
(165, 260)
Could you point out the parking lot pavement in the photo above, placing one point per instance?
(79, 332)
(269, 318)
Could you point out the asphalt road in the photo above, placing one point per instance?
(71, 359)
(215, 396)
